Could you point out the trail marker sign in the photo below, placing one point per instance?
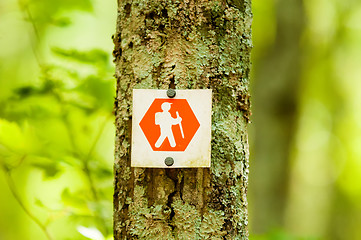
(171, 132)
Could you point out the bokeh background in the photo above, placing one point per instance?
(57, 133)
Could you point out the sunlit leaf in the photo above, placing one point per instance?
(18, 139)
(76, 202)
(43, 12)
(39, 203)
(91, 233)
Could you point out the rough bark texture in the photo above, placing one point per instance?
(186, 45)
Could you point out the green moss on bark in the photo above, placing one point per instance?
(188, 45)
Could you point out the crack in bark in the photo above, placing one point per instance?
(172, 174)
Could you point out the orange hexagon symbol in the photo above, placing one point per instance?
(169, 124)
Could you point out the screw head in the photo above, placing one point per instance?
(169, 161)
(171, 93)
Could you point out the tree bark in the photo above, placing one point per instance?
(184, 45)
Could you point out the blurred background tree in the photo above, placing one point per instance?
(57, 134)
(306, 167)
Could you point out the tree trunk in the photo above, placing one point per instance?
(184, 45)
(276, 87)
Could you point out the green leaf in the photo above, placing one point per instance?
(103, 173)
(39, 203)
(102, 91)
(77, 202)
(50, 169)
(44, 12)
(93, 57)
(91, 233)
(25, 91)
(21, 140)
(61, 22)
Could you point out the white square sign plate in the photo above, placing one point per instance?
(171, 132)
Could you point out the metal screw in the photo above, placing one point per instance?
(171, 93)
(169, 161)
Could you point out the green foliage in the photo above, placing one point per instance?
(56, 130)
(44, 12)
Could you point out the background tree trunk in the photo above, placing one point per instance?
(276, 87)
(184, 45)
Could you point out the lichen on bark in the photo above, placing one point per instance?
(187, 45)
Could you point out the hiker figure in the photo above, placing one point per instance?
(165, 122)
